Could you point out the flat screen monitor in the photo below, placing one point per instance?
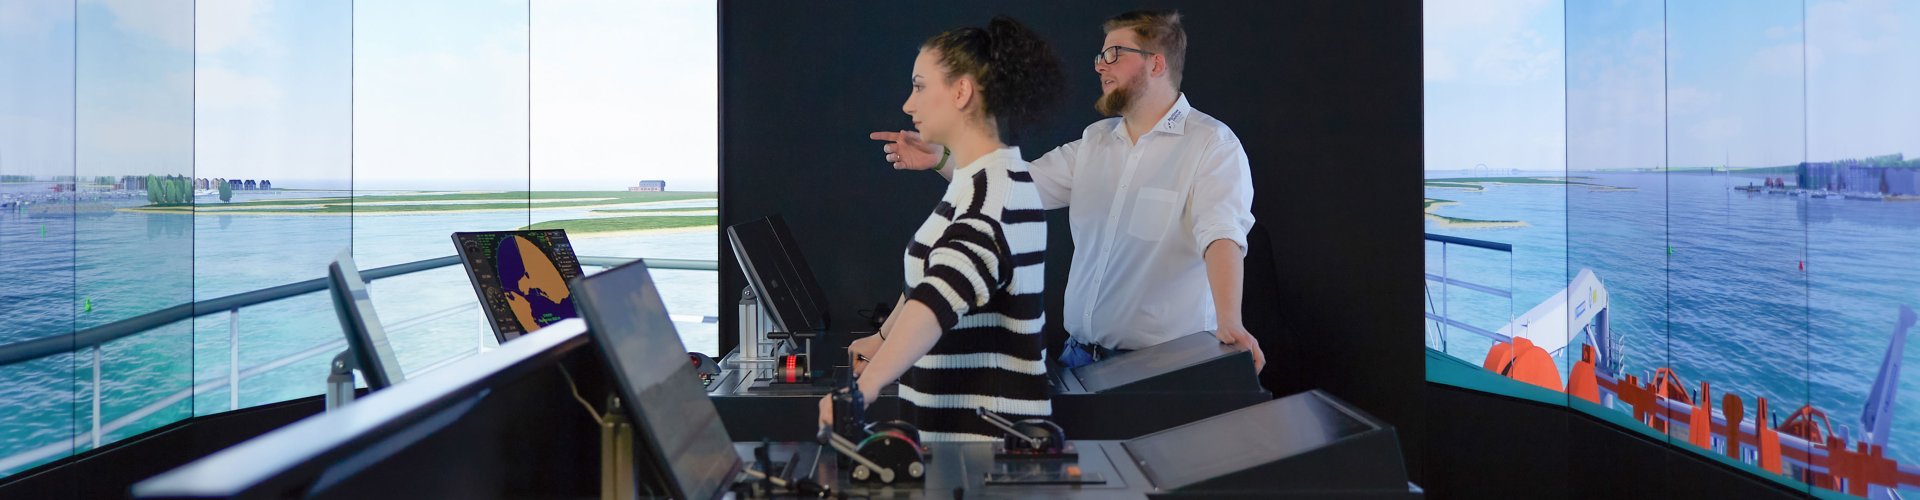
(1244, 439)
(521, 277)
(779, 274)
(365, 338)
(674, 421)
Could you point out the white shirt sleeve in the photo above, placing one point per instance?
(1221, 204)
(1053, 174)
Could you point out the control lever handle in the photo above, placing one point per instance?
(1007, 425)
(845, 447)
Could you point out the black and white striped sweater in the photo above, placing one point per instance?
(979, 263)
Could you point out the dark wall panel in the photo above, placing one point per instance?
(1489, 446)
(1325, 96)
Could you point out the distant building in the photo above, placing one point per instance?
(1888, 175)
(250, 185)
(266, 184)
(201, 184)
(649, 187)
(235, 184)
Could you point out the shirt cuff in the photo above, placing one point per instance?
(930, 295)
(1207, 235)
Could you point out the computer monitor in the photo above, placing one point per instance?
(521, 277)
(674, 421)
(779, 274)
(365, 338)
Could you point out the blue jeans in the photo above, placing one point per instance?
(1076, 354)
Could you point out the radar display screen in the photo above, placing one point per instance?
(521, 277)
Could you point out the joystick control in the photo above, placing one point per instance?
(884, 451)
(1029, 437)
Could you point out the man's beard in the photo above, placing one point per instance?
(1116, 102)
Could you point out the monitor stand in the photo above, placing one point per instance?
(340, 380)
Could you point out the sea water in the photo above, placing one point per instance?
(1788, 298)
(67, 266)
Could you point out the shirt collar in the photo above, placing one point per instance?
(1174, 122)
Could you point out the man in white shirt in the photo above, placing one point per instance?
(1161, 196)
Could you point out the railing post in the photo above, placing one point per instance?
(233, 359)
(96, 396)
(1446, 310)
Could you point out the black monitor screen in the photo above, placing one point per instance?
(521, 277)
(779, 274)
(663, 395)
(1237, 440)
(365, 337)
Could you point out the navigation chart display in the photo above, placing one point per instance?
(521, 277)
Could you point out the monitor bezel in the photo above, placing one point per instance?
(790, 253)
(366, 339)
(480, 291)
(653, 451)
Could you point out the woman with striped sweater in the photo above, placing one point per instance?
(967, 332)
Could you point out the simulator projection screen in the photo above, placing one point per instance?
(521, 277)
(1697, 220)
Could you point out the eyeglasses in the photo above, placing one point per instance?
(1112, 54)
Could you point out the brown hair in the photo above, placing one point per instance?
(1160, 32)
(1018, 73)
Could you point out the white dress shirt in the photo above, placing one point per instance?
(1143, 214)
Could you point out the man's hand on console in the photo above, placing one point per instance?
(905, 150)
(1238, 336)
(861, 350)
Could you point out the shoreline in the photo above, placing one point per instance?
(640, 232)
(281, 210)
(1452, 223)
(1446, 222)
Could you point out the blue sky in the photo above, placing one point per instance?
(133, 87)
(421, 94)
(1635, 83)
(36, 88)
(1495, 92)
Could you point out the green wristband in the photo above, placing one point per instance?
(944, 154)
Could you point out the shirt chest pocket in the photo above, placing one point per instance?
(1154, 210)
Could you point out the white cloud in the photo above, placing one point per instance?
(1718, 130)
(1499, 41)
(1615, 102)
(32, 19)
(1784, 31)
(218, 87)
(226, 24)
(1685, 99)
(439, 107)
(1438, 67)
(126, 144)
(1479, 15)
(1520, 57)
(603, 119)
(1857, 105)
(1786, 60)
(169, 21)
(1854, 26)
